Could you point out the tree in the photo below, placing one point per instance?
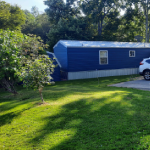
(20, 60)
(36, 73)
(10, 45)
(144, 7)
(30, 23)
(131, 25)
(110, 27)
(71, 29)
(42, 27)
(38, 25)
(67, 22)
(58, 9)
(98, 10)
(11, 17)
(35, 11)
(36, 68)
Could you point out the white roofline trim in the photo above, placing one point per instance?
(54, 57)
(60, 43)
(102, 47)
(102, 44)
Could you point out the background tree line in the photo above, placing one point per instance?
(96, 20)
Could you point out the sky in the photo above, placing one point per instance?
(27, 4)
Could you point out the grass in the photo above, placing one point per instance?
(79, 115)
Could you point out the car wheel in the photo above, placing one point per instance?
(147, 75)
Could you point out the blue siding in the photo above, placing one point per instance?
(84, 59)
(56, 74)
(61, 54)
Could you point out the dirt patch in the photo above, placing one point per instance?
(43, 104)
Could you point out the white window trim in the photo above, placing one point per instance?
(100, 57)
(129, 53)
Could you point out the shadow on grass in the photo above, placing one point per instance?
(7, 118)
(13, 108)
(99, 123)
(62, 89)
(91, 123)
(9, 101)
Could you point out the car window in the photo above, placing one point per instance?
(148, 61)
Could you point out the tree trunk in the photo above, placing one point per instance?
(8, 86)
(40, 91)
(100, 26)
(147, 21)
(99, 29)
(148, 33)
(42, 97)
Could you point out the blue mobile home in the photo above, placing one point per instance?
(56, 75)
(91, 59)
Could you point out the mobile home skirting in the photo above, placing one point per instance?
(101, 73)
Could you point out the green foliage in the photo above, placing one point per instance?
(36, 71)
(69, 29)
(99, 20)
(131, 24)
(110, 27)
(68, 23)
(58, 9)
(98, 10)
(34, 11)
(37, 24)
(143, 7)
(11, 17)
(19, 57)
(29, 23)
(10, 48)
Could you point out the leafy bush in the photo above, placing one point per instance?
(20, 60)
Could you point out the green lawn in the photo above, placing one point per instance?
(79, 115)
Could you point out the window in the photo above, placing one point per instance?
(131, 53)
(103, 55)
(148, 61)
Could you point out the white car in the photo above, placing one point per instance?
(144, 68)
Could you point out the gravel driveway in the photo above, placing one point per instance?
(139, 83)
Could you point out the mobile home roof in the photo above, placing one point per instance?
(71, 43)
